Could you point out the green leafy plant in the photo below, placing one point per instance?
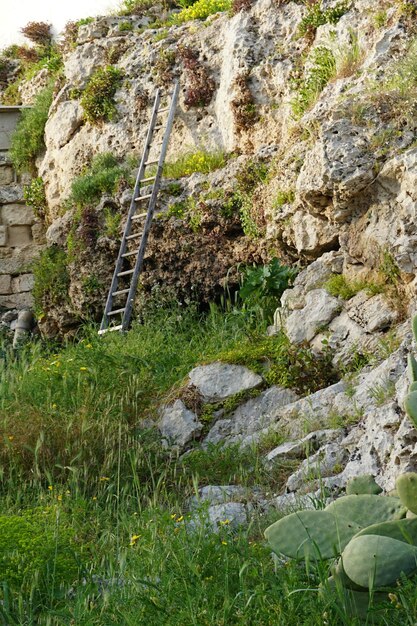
(265, 284)
(34, 195)
(37, 543)
(97, 99)
(284, 197)
(125, 26)
(27, 141)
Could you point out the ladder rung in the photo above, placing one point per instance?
(129, 254)
(163, 110)
(135, 236)
(119, 293)
(148, 195)
(147, 180)
(110, 329)
(116, 312)
(152, 162)
(158, 127)
(139, 216)
(126, 273)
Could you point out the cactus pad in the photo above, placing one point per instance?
(412, 368)
(367, 509)
(403, 530)
(407, 490)
(375, 561)
(364, 484)
(311, 535)
(410, 405)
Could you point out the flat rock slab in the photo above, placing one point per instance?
(178, 425)
(219, 381)
(219, 494)
(303, 324)
(301, 448)
(252, 416)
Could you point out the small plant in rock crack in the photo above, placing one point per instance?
(243, 107)
(200, 86)
(98, 96)
(34, 195)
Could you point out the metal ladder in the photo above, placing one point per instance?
(124, 284)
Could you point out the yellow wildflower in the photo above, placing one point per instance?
(50, 488)
(83, 369)
(134, 539)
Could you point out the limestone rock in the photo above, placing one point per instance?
(329, 459)
(251, 417)
(320, 308)
(60, 128)
(231, 514)
(301, 448)
(219, 381)
(178, 425)
(338, 168)
(373, 314)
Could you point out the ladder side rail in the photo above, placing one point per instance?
(132, 210)
(151, 207)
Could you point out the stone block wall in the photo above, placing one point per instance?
(21, 235)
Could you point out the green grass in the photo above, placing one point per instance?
(322, 69)
(95, 513)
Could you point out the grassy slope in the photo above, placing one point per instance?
(72, 451)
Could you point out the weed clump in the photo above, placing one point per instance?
(317, 16)
(202, 162)
(103, 176)
(200, 85)
(201, 9)
(97, 99)
(34, 195)
(322, 69)
(51, 279)
(27, 141)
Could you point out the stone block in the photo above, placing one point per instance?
(3, 236)
(17, 301)
(17, 215)
(5, 284)
(38, 234)
(22, 283)
(11, 193)
(6, 175)
(19, 236)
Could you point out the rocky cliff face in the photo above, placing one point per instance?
(318, 104)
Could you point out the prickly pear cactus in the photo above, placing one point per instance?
(406, 485)
(375, 561)
(361, 485)
(410, 402)
(314, 535)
